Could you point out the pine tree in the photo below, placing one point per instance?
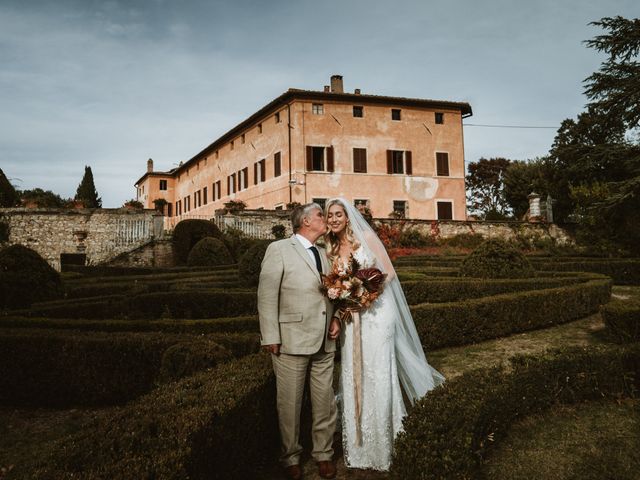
(87, 192)
(8, 195)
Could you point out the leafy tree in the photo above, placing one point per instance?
(43, 198)
(520, 179)
(8, 195)
(615, 88)
(485, 187)
(87, 192)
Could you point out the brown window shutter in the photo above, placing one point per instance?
(276, 165)
(245, 180)
(363, 160)
(329, 159)
(263, 170)
(229, 185)
(309, 158)
(255, 173)
(389, 161)
(408, 162)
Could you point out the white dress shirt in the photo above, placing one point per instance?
(307, 245)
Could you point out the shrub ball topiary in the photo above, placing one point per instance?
(279, 231)
(237, 242)
(5, 231)
(209, 252)
(25, 277)
(189, 232)
(496, 259)
(250, 263)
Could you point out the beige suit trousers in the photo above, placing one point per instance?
(291, 372)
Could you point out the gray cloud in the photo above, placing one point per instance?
(110, 84)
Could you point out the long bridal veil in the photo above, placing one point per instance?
(417, 377)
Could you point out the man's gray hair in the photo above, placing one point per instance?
(300, 213)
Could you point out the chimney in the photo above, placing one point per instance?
(357, 91)
(149, 166)
(327, 88)
(336, 84)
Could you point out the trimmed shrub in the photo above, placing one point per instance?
(237, 242)
(251, 262)
(186, 304)
(449, 431)
(464, 240)
(61, 369)
(247, 324)
(189, 232)
(415, 239)
(209, 252)
(198, 428)
(278, 231)
(623, 271)
(25, 277)
(5, 231)
(496, 259)
(471, 321)
(622, 318)
(108, 271)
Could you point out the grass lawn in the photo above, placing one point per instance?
(589, 441)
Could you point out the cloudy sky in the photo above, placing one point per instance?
(112, 83)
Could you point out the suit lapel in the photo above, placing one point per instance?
(300, 250)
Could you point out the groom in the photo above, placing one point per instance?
(297, 328)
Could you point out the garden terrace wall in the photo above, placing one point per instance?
(51, 368)
(198, 428)
(474, 320)
(448, 432)
(101, 234)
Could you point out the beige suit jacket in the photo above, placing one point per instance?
(292, 310)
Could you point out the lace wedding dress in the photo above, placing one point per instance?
(382, 404)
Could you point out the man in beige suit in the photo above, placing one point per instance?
(297, 328)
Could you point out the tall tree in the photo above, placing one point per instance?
(522, 178)
(87, 192)
(485, 187)
(8, 195)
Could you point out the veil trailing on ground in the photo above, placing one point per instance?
(417, 377)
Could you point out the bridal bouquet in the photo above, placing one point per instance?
(352, 288)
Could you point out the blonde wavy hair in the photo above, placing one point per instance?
(331, 239)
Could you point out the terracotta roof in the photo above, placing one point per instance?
(298, 94)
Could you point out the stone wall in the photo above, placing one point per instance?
(100, 234)
(258, 224)
(156, 253)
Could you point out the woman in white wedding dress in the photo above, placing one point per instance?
(392, 359)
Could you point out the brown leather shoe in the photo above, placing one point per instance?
(293, 472)
(327, 469)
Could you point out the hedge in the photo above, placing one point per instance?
(623, 271)
(622, 319)
(198, 428)
(454, 289)
(245, 324)
(109, 271)
(186, 304)
(475, 320)
(48, 368)
(449, 431)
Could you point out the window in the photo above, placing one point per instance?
(320, 159)
(259, 173)
(362, 205)
(439, 118)
(163, 184)
(317, 109)
(360, 160)
(231, 145)
(187, 204)
(169, 210)
(277, 116)
(399, 161)
(178, 208)
(445, 211)
(395, 114)
(320, 201)
(243, 178)
(259, 128)
(279, 207)
(215, 191)
(277, 171)
(400, 208)
(231, 184)
(242, 138)
(442, 164)
(358, 112)
(204, 194)
(217, 154)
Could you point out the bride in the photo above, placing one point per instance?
(391, 353)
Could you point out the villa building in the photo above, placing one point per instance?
(392, 154)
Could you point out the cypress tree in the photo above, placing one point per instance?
(8, 195)
(87, 192)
